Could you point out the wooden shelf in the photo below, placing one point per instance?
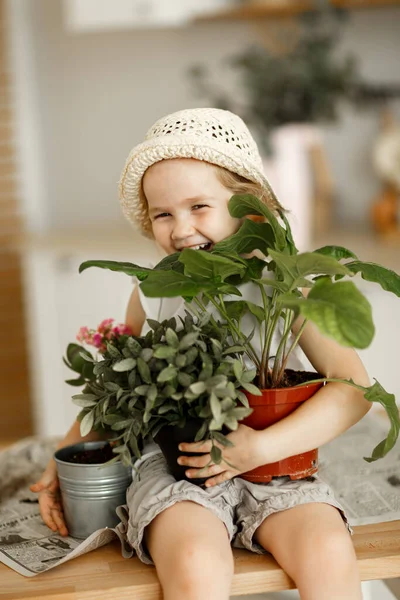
(286, 8)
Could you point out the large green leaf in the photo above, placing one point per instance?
(337, 252)
(237, 308)
(376, 393)
(245, 204)
(339, 310)
(388, 280)
(251, 236)
(207, 266)
(255, 268)
(216, 288)
(169, 284)
(295, 268)
(169, 262)
(289, 235)
(122, 267)
(282, 286)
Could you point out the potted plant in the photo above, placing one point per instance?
(336, 306)
(86, 471)
(176, 383)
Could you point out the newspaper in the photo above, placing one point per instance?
(369, 492)
(30, 547)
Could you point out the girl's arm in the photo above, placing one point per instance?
(135, 315)
(332, 410)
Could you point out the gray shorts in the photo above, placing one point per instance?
(242, 506)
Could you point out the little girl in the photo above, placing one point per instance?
(176, 186)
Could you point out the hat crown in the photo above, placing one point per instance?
(216, 136)
(202, 126)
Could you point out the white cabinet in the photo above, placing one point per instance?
(96, 15)
(59, 301)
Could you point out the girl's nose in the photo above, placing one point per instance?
(182, 229)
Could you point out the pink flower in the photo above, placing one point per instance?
(122, 329)
(105, 333)
(97, 340)
(82, 334)
(105, 325)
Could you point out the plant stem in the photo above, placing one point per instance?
(270, 333)
(204, 310)
(292, 347)
(251, 351)
(234, 330)
(263, 375)
(335, 380)
(277, 370)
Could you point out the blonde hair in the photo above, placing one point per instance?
(240, 185)
(233, 182)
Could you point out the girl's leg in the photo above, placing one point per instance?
(312, 544)
(191, 550)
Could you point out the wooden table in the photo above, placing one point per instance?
(105, 575)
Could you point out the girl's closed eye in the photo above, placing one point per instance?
(161, 215)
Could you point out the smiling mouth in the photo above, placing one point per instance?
(207, 246)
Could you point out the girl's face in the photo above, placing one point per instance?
(188, 205)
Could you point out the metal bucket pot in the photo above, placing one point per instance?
(90, 493)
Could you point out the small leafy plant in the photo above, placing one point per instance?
(141, 384)
(213, 279)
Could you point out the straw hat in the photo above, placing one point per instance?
(210, 134)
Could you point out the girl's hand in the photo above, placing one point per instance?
(49, 499)
(247, 452)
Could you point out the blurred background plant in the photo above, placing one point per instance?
(302, 79)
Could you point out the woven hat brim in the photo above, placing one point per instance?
(152, 151)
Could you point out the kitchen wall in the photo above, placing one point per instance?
(97, 93)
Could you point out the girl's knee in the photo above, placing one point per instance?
(198, 559)
(333, 553)
(197, 570)
(191, 550)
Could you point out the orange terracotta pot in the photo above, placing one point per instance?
(272, 406)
